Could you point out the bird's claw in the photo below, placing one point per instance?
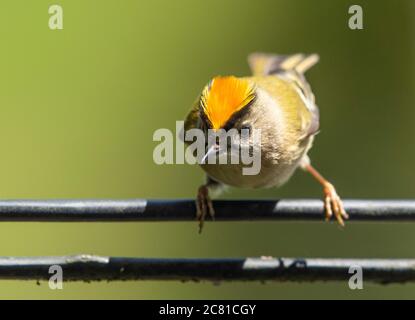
(333, 205)
(204, 206)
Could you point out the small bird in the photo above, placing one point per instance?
(276, 99)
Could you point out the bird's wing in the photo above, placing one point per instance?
(290, 68)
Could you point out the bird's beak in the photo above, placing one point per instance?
(210, 152)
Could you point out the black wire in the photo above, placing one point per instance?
(184, 210)
(88, 268)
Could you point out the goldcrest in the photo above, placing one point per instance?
(278, 101)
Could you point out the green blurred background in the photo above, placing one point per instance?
(79, 107)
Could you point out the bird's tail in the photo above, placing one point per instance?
(263, 64)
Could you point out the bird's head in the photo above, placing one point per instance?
(224, 105)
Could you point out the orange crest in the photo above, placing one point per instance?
(223, 97)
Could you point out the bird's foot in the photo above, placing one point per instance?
(204, 206)
(333, 205)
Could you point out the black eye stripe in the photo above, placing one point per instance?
(237, 115)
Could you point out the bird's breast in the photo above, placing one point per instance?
(270, 173)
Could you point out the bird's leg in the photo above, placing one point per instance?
(332, 202)
(204, 204)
